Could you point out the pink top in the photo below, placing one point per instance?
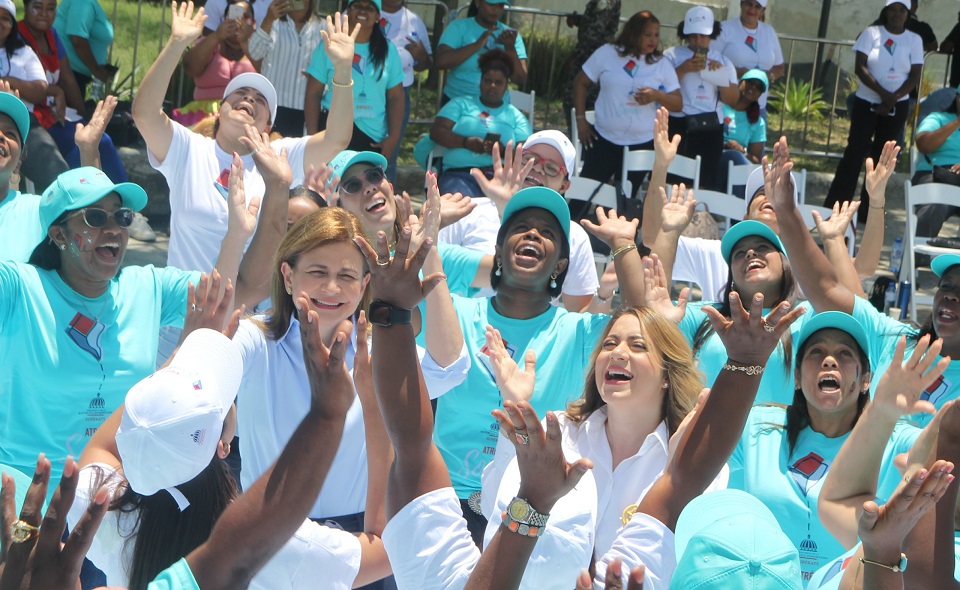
(211, 83)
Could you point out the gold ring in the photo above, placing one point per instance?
(522, 438)
(383, 262)
(21, 531)
(768, 327)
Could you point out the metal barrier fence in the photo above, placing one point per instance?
(825, 65)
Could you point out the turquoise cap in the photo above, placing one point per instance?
(836, 320)
(543, 198)
(14, 108)
(746, 229)
(941, 264)
(80, 187)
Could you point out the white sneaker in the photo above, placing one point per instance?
(140, 230)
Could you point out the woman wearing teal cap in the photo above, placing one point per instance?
(75, 331)
(744, 129)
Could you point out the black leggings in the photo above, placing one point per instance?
(604, 160)
(708, 144)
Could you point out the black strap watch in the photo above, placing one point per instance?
(386, 314)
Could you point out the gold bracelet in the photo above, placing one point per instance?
(899, 567)
(338, 85)
(750, 370)
(623, 249)
(877, 206)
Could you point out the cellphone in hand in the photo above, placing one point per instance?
(701, 52)
(235, 12)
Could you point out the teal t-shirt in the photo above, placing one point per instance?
(777, 383)
(464, 80)
(465, 432)
(737, 126)
(948, 153)
(176, 577)
(86, 19)
(20, 228)
(68, 360)
(789, 483)
(472, 119)
(370, 85)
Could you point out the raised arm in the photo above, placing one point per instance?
(868, 257)
(619, 233)
(675, 215)
(87, 137)
(817, 277)
(153, 123)
(665, 150)
(832, 233)
(852, 479)
(241, 223)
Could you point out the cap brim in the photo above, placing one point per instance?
(710, 507)
(367, 158)
(220, 358)
(543, 198)
(941, 264)
(745, 229)
(14, 108)
(836, 320)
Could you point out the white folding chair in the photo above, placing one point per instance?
(914, 156)
(737, 175)
(438, 151)
(849, 235)
(802, 186)
(525, 102)
(729, 207)
(642, 161)
(916, 196)
(584, 190)
(591, 118)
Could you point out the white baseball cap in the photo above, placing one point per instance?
(172, 420)
(889, 3)
(259, 83)
(558, 141)
(699, 21)
(755, 184)
(9, 6)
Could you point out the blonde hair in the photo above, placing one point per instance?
(670, 348)
(330, 225)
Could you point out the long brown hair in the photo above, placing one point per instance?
(668, 345)
(326, 226)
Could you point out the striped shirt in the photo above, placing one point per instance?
(286, 54)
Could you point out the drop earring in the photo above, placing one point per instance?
(498, 272)
(553, 281)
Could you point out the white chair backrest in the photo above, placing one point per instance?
(437, 152)
(575, 137)
(738, 175)
(729, 207)
(581, 188)
(525, 102)
(916, 196)
(642, 161)
(849, 235)
(802, 181)
(914, 156)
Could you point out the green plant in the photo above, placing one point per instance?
(547, 58)
(796, 101)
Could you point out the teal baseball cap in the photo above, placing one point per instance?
(941, 264)
(80, 187)
(836, 320)
(377, 3)
(347, 158)
(543, 198)
(730, 539)
(758, 75)
(497, 2)
(14, 108)
(746, 229)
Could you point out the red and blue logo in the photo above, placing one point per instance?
(85, 333)
(890, 45)
(630, 68)
(751, 42)
(809, 470)
(934, 394)
(358, 63)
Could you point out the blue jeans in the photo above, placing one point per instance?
(739, 159)
(63, 135)
(459, 181)
(392, 159)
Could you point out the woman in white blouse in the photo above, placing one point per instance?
(280, 49)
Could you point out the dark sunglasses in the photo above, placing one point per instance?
(354, 184)
(97, 218)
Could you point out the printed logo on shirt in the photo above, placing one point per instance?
(85, 333)
(630, 68)
(934, 394)
(222, 182)
(891, 46)
(809, 470)
(197, 385)
(359, 63)
(484, 360)
(385, 26)
(751, 42)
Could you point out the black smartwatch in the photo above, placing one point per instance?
(386, 314)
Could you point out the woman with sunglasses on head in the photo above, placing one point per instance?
(72, 316)
(470, 126)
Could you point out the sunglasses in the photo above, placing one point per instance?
(354, 184)
(97, 218)
(550, 168)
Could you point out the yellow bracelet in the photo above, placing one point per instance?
(750, 370)
(338, 85)
(623, 249)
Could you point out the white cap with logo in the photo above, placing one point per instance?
(699, 21)
(557, 140)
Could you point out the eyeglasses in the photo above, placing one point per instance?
(550, 168)
(97, 218)
(354, 184)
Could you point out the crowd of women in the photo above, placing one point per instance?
(414, 413)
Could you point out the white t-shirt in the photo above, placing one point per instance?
(315, 552)
(699, 89)
(889, 58)
(399, 25)
(749, 48)
(478, 231)
(197, 170)
(643, 541)
(701, 261)
(25, 65)
(274, 397)
(620, 119)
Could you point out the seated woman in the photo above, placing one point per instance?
(832, 375)
(215, 60)
(744, 129)
(939, 144)
(90, 34)
(470, 126)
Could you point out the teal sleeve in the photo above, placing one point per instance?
(452, 36)
(318, 65)
(521, 129)
(393, 67)
(173, 287)
(452, 110)
(758, 131)
(460, 265)
(9, 286)
(80, 18)
(520, 47)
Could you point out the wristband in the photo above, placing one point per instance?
(338, 85)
